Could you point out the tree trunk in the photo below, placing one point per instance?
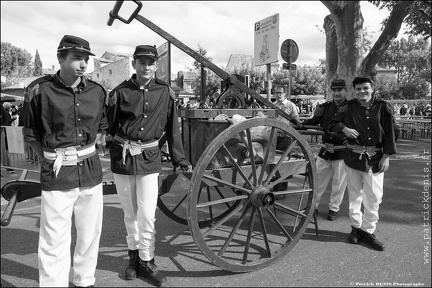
(331, 53)
(390, 32)
(348, 23)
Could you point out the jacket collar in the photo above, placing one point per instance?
(82, 85)
(134, 82)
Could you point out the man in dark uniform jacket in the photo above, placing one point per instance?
(139, 111)
(367, 122)
(330, 162)
(62, 115)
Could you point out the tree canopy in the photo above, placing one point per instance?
(412, 60)
(15, 61)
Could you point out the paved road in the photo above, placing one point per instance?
(324, 261)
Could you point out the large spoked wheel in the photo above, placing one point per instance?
(273, 189)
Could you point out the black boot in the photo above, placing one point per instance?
(148, 269)
(371, 240)
(353, 237)
(132, 269)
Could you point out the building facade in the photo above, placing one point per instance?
(112, 69)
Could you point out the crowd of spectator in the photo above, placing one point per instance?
(410, 110)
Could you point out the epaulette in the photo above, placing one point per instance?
(342, 108)
(319, 111)
(324, 104)
(94, 82)
(124, 84)
(159, 81)
(171, 91)
(33, 88)
(389, 107)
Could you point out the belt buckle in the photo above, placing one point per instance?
(135, 150)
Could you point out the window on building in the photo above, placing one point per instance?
(110, 71)
(97, 75)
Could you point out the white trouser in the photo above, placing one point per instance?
(138, 196)
(55, 235)
(371, 196)
(327, 169)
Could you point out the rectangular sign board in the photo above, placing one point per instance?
(164, 69)
(266, 40)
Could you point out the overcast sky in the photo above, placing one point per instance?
(220, 27)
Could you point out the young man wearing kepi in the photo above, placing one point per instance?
(62, 115)
(330, 163)
(139, 111)
(367, 122)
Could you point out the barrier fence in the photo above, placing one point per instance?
(15, 153)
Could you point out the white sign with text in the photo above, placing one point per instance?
(266, 40)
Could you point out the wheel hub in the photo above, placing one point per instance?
(262, 197)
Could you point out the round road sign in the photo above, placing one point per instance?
(289, 49)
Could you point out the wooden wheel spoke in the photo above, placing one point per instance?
(238, 168)
(267, 154)
(306, 177)
(280, 179)
(179, 203)
(279, 163)
(210, 207)
(221, 201)
(279, 224)
(220, 222)
(251, 155)
(249, 235)
(264, 231)
(234, 230)
(292, 191)
(222, 196)
(290, 210)
(225, 183)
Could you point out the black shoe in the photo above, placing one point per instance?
(353, 237)
(132, 269)
(370, 239)
(332, 215)
(148, 269)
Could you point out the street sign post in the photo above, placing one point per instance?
(289, 53)
(266, 44)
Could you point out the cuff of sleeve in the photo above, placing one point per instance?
(339, 127)
(31, 135)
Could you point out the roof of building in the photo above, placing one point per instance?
(20, 82)
(239, 59)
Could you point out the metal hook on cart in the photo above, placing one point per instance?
(113, 14)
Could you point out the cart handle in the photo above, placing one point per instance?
(113, 14)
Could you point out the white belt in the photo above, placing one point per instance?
(369, 151)
(134, 147)
(68, 156)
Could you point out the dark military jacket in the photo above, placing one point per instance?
(323, 114)
(143, 114)
(61, 117)
(375, 127)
